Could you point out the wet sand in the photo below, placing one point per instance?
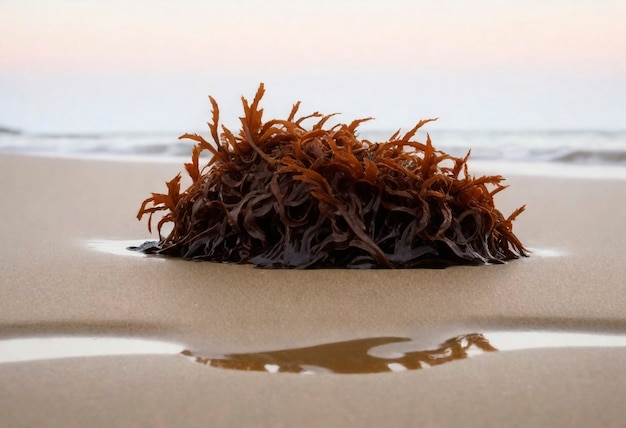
(55, 283)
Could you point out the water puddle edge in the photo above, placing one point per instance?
(358, 356)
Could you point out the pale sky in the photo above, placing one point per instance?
(148, 65)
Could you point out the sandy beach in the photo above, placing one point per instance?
(64, 272)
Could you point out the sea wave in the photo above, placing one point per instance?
(588, 147)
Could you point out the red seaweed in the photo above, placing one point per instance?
(279, 194)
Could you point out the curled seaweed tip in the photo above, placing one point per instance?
(279, 194)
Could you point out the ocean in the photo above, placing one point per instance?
(593, 151)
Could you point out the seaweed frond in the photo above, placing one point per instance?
(280, 194)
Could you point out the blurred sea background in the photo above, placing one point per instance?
(587, 147)
(527, 82)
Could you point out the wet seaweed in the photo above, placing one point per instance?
(280, 194)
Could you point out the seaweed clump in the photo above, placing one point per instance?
(280, 194)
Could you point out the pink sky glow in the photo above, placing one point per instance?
(69, 65)
(293, 35)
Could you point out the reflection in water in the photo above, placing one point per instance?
(351, 356)
(46, 348)
(518, 340)
(546, 252)
(371, 355)
(119, 247)
(400, 353)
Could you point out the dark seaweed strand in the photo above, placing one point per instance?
(279, 194)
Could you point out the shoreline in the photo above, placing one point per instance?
(506, 168)
(54, 283)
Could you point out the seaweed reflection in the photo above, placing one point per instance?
(349, 357)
